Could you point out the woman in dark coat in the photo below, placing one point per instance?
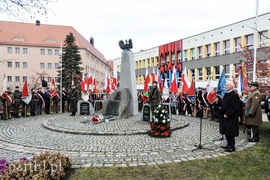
(230, 116)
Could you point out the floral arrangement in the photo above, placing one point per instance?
(46, 165)
(160, 123)
(96, 119)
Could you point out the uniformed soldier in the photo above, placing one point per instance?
(74, 96)
(6, 102)
(253, 113)
(55, 101)
(33, 102)
(154, 96)
(16, 100)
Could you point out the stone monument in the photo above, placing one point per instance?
(127, 75)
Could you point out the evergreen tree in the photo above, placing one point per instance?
(71, 60)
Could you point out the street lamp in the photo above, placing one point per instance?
(61, 95)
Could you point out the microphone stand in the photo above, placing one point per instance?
(200, 146)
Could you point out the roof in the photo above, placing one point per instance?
(30, 34)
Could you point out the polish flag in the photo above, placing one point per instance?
(53, 89)
(89, 82)
(94, 86)
(107, 83)
(184, 81)
(83, 83)
(153, 75)
(211, 92)
(173, 87)
(158, 79)
(114, 82)
(4, 91)
(26, 93)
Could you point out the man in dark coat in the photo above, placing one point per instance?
(229, 116)
(16, 99)
(253, 113)
(74, 97)
(155, 96)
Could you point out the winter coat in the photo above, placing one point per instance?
(230, 106)
(254, 107)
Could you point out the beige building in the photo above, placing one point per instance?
(34, 51)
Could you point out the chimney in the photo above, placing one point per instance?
(92, 41)
(37, 22)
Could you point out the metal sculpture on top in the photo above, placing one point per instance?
(128, 45)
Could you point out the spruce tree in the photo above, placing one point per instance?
(71, 61)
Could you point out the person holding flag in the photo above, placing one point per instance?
(7, 102)
(154, 96)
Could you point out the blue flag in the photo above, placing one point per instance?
(221, 84)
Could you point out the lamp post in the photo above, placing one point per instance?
(61, 95)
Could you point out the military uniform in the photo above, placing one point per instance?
(6, 102)
(16, 99)
(74, 96)
(33, 103)
(154, 96)
(55, 101)
(253, 114)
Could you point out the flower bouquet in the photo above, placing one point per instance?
(160, 123)
(95, 119)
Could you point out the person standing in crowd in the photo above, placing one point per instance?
(33, 103)
(74, 97)
(64, 98)
(253, 113)
(6, 102)
(267, 105)
(41, 102)
(229, 116)
(16, 100)
(154, 96)
(47, 100)
(55, 100)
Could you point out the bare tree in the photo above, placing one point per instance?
(22, 9)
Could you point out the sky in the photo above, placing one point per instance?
(149, 23)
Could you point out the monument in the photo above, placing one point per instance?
(123, 102)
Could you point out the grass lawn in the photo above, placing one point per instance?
(250, 164)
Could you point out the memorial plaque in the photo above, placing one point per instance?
(84, 108)
(112, 108)
(146, 112)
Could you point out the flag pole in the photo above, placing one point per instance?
(255, 35)
(6, 109)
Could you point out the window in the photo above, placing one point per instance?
(17, 78)
(56, 52)
(185, 55)
(237, 44)
(42, 66)
(193, 53)
(24, 78)
(208, 72)
(9, 78)
(42, 51)
(17, 50)
(173, 59)
(249, 41)
(24, 64)
(9, 50)
(49, 79)
(49, 65)
(208, 50)
(217, 72)
(227, 71)
(200, 52)
(17, 64)
(227, 47)
(167, 58)
(9, 64)
(49, 52)
(263, 38)
(25, 51)
(200, 74)
(217, 48)
(180, 56)
(56, 65)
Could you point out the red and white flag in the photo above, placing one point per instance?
(83, 84)
(107, 83)
(158, 79)
(114, 82)
(145, 89)
(184, 81)
(26, 93)
(4, 91)
(174, 87)
(211, 92)
(53, 89)
(89, 82)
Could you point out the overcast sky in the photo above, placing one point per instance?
(149, 23)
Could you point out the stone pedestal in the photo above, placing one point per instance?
(85, 108)
(128, 79)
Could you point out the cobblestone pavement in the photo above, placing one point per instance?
(116, 143)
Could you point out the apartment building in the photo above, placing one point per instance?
(205, 55)
(33, 50)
